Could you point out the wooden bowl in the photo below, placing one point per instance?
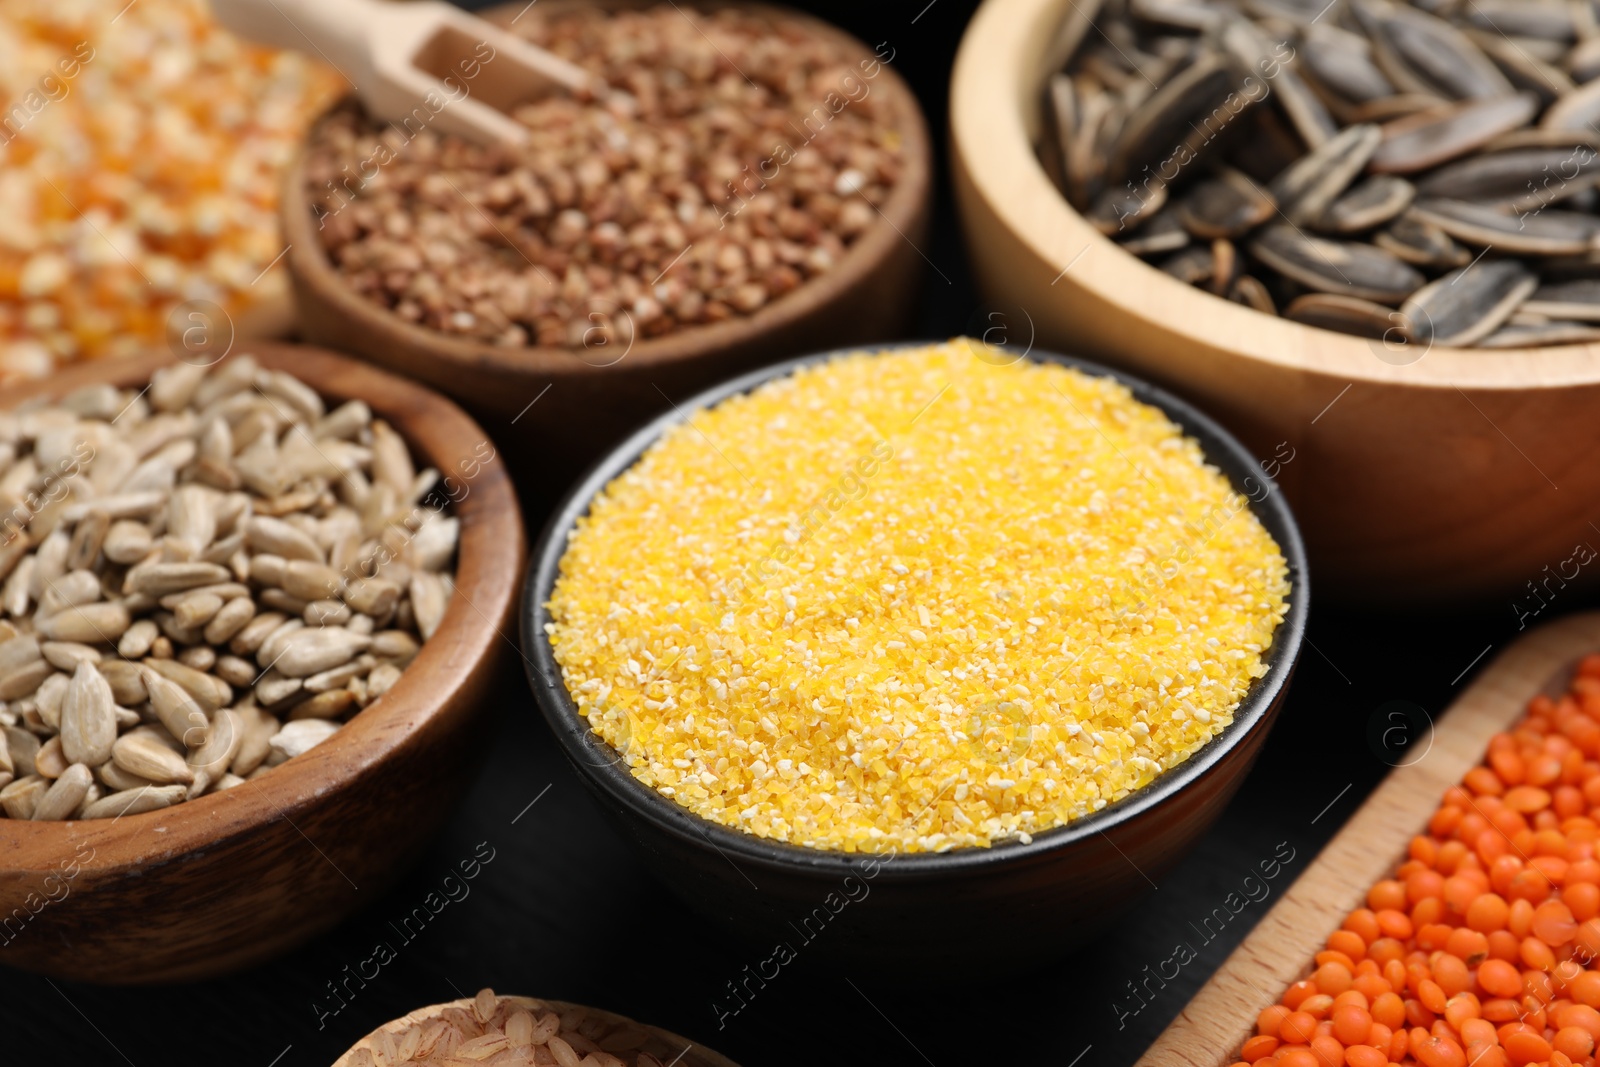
(867, 296)
(1461, 474)
(1372, 843)
(631, 1037)
(233, 878)
(1008, 905)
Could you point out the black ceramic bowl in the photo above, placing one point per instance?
(1010, 904)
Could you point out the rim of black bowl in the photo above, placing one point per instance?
(605, 770)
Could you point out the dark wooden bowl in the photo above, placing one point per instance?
(664, 1045)
(219, 883)
(1008, 905)
(867, 296)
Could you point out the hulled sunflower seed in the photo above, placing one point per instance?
(19, 798)
(258, 729)
(22, 748)
(209, 692)
(159, 579)
(64, 796)
(161, 551)
(279, 538)
(300, 736)
(126, 680)
(330, 705)
(88, 718)
(313, 650)
(126, 541)
(140, 752)
(135, 801)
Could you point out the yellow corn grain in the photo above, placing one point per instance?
(141, 148)
(915, 600)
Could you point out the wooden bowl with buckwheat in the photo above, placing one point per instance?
(235, 877)
(601, 384)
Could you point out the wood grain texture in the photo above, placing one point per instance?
(1210, 1029)
(866, 297)
(1434, 479)
(665, 1046)
(231, 879)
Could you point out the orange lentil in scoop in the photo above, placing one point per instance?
(1483, 949)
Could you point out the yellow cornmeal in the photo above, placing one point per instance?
(915, 601)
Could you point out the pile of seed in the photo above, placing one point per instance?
(199, 581)
(1483, 949)
(915, 600)
(754, 154)
(521, 1032)
(1422, 172)
(141, 152)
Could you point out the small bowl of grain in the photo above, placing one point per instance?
(761, 191)
(525, 1032)
(865, 637)
(248, 615)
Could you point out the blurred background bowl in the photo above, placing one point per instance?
(617, 1034)
(234, 878)
(1418, 475)
(1011, 904)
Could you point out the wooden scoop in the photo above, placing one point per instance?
(422, 64)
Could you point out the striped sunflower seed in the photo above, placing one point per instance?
(1417, 131)
(1465, 306)
(1353, 269)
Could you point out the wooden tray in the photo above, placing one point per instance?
(1211, 1027)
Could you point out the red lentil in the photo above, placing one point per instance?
(1483, 947)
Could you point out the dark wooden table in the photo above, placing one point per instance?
(559, 908)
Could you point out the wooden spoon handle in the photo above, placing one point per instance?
(336, 30)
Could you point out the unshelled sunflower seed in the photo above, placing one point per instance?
(1466, 306)
(1353, 269)
(1417, 131)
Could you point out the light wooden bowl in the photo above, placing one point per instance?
(1461, 474)
(867, 296)
(630, 1037)
(231, 879)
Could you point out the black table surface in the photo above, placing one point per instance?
(563, 910)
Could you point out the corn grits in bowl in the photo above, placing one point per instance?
(858, 639)
(913, 601)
